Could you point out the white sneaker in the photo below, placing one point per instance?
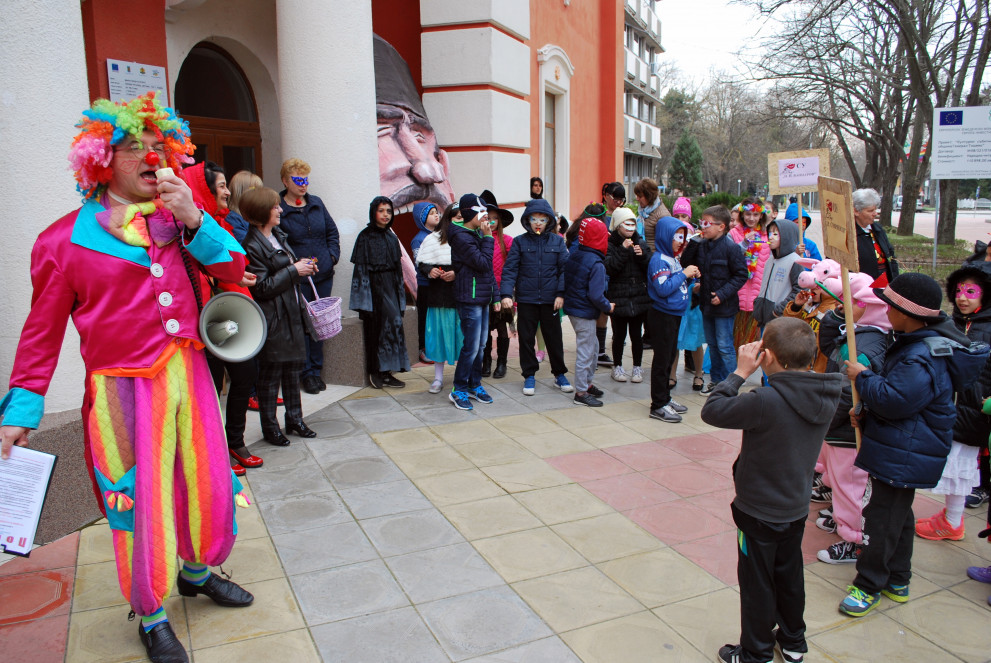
(435, 387)
(618, 374)
(637, 374)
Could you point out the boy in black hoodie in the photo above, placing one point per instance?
(772, 477)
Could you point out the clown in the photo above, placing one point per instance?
(126, 266)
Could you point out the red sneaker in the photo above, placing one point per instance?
(938, 528)
(253, 403)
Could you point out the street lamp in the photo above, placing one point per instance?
(738, 187)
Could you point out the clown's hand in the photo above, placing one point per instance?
(11, 435)
(177, 197)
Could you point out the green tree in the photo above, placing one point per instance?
(685, 171)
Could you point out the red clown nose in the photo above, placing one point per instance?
(151, 159)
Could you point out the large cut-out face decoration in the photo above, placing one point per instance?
(412, 168)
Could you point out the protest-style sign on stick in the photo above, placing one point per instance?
(796, 172)
(839, 238)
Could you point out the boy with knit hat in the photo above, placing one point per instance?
(906, 417)
(584, 300)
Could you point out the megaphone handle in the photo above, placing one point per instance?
(316, 295)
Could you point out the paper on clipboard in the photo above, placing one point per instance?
(24, 480)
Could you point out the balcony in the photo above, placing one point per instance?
(641, 137)
(640, 13)
(639, 76)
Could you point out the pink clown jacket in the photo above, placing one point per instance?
(127, 302)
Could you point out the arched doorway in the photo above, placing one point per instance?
(213, 95)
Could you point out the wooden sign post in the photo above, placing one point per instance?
(839, 238)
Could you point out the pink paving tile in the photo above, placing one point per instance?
(716, 503)
(56, 555)
(646, 455)
(38, 640)
(702, 447)
(589, 465)
(723, 466)
(690, 479)
(677, 522)
(32, 595)
(716, 554)
(629, 491)
(925, 506)
(732, 437)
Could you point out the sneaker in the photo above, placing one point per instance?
(897, 593)
(841, 552)
(391, 381)
(460, 400)
(605, 360)
(666, 414)
(435, 387)
(826, 524)
(938, 528)
(587, 399)
(826, 513)
(677, 407)
(977, 497)
(562, 382)
(595, 391)
(822, 494)
(529, 386)
(787, 655)
(858, 603)
(730, 653)
(637, 374)
(979, 573)
(480, 395)
(618, 374)
(541, 355)
(817, 481)
(375, 379)
(253, 403)
(708, 388)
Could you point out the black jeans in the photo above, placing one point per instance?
(528, 316)
(243, 375)
(772, 586)
(664, 337)
(889, 535)
(620, 326)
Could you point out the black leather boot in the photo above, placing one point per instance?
(298, 427)
(502, 351)
(222, 591)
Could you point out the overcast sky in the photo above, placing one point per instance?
(701, 34)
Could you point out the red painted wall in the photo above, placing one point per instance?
(591, 33)
(132, 30)
(398, 22)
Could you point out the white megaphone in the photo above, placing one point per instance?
(233, 327)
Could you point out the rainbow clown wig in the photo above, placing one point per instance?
(107, 124)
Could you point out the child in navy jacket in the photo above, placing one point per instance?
(584, 300)
(670, 289)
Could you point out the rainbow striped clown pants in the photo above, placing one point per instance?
(160, 462)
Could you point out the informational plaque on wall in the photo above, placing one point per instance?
(131, 79)
(24, 480)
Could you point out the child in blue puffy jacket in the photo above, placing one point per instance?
(670, 290)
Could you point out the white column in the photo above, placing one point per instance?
(43, 94)
(327, 107)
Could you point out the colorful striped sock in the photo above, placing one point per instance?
(195, 573)
(154, 619)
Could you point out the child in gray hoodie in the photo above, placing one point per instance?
(783, 426)
(780, 282)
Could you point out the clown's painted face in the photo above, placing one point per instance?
(133, 177)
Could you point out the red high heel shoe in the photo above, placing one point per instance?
(248, 460)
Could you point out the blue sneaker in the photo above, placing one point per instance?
(460, 400)
(858, 602)
(529, 386)
(897, 593)
(479, 394)
(563, 383)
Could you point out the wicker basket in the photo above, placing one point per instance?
(325, 314)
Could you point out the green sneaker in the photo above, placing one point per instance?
(897, 593)
(858, 603)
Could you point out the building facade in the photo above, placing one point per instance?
(641, 93)
(507, 89)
